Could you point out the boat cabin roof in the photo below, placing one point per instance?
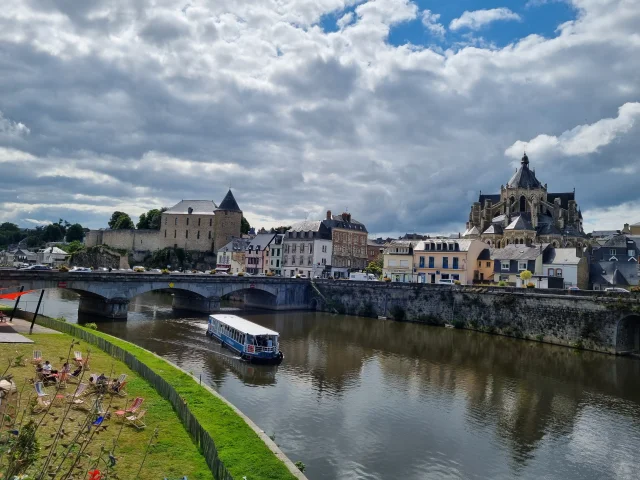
(242, 325)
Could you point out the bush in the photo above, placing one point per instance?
(531, 285)
(300, 466)
(456, 282)
(387, 279)
(297, 276)
(91, 326)
(502, 283)
(269, 274)
(138, 270)
(241, 274)
(540, 337)
(165, 271)
(212, 272)
(63, 269)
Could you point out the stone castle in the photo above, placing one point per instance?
(525, 213)
(193, 225)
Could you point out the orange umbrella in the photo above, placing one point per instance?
(14, 295)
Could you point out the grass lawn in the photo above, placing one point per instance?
(173, 453)
(239, 447)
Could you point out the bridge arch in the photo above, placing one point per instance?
(627, 335)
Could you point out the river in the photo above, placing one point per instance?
(359, 398)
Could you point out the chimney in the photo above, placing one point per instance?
(328, 214)
(579, 252)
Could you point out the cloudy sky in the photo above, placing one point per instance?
(398, 110)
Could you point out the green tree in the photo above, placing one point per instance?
(72, 247)
(375, 267)
(75, 233)
(114, 219)
(124, 222)
(524, 276)
(151, 219)
(52, 233)
(244, 226)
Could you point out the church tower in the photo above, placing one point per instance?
(227, 222)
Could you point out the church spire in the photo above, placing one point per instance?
(525, 160)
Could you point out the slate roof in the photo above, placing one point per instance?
(518, 252)
(200, 207)
(499, 218)
(610, 273)
(471, 231)
(236, 245)
(337, 221)
(616, 241)
(495, 198)
(485, 254)
(548, 229)
(229, 203)
(494, 229)
(261, 241)
(564, 198)
(561, 256)
(521, 222)
(524, 178)
(463, 245)
(306, 226)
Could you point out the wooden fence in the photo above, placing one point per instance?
(199, 434)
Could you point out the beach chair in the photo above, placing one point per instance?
(136, 419)
(37, 357)
(41, 405)
(75, 398)
(135, 405)
(120, 390)
(61, 379)
(77, 357)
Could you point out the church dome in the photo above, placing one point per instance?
(524, 177)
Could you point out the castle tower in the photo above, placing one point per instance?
(227, 221)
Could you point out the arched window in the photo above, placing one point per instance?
(523, 204)
(558, 272)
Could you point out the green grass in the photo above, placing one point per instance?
(5, 308)
(239, 447)
(174, 453)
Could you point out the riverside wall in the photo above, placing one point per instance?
(594, 322)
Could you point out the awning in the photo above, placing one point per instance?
(14, 295)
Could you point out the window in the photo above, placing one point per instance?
(455, 277)
(210, 221)
(558, 272)
(176, 220)
(522, 266)
(324, 249)
(309, 261)
(445, 276)
(505, 265)
(199, 221)
(421, 262)
(631, 253)
(432, 262)
(209, 234)
(165, 233)
(301, 260)
(455, 263)
(445, 262)
(393, 263)
(488, 264)
(310, 248)
(551, 272)
(165, 220)
(293, 248)
(439, 246)
(404, 263)
(198, 235)
(451, 247)
(612, 251)
(479, 264)
(175, 232)
(187, 220)
(187, 234)
(324, 261)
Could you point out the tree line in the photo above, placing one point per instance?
(10, 233)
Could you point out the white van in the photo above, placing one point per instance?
(363, 277)
(446, 281)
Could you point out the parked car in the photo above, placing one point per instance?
(80, 269)
(616, 290)
(261, 274)
(38, 267)
(446, 281)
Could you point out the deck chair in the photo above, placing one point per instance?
(61, 379)
(135, 405)
(77, 357)
(37, 357)
(41, 405)
(75, 398)
(136, 419)
(120, 390)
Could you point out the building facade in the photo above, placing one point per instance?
(570, 264)
(231, 257)
(614, 263)
(509, 262)
(524, 212)
(398, 261)
(454, 260)
(255, 257)
(349, 243)
(273, 255)
(307, 250)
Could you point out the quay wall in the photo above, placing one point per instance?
(594, 322)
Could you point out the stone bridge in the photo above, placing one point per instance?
(108, 294)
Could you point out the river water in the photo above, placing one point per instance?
(359, 398)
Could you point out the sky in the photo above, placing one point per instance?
(397, 111)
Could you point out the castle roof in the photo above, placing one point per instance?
(564, 198)
(229, 203)
(494, 229)
(524, 178)
(522, 222)
(198, 207)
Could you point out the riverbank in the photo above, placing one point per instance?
(241, 447)
(185, 459)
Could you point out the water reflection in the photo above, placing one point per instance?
(363, 398)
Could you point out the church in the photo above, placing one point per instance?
(525, 213)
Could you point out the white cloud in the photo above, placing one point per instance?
(477, 19)
(345, 20)
(581, 140)
(38, 222)
(10, 129)
(430, 20)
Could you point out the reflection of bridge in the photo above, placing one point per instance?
(108, 294)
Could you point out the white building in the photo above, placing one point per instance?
(273, 255)
(398, 261)
(570, 264)
(230, 258)
(52, 256)
(307, 250)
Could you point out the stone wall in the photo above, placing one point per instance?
(187, 231)
(589, 322)
(227, 226)
(98, 257)
(132, 240)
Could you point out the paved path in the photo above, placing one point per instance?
(11, 332)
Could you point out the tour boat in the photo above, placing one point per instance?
(251, 341)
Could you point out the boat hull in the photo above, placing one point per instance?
(263, 358)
